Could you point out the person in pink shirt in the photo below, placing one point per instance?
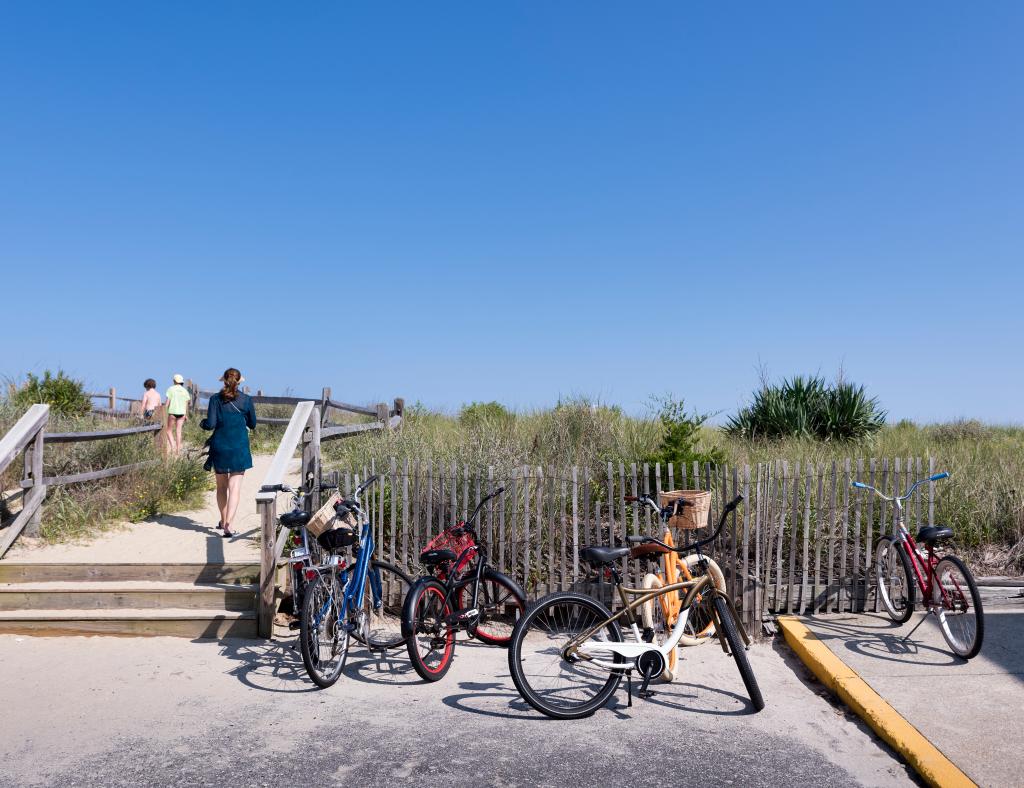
(150, 400)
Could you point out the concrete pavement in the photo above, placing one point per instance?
(165, 711)
(966, 709)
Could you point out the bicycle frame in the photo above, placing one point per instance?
(591, 650)
(932, 593)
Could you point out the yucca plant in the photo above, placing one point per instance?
(807, 407)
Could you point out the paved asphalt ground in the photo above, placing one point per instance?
(165, 711)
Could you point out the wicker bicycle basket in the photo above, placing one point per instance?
(693, 513)
(323, 519)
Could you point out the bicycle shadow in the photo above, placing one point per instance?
(389, 668)
(887, 640)
(267, 665)
(671, 700)
(481, 690)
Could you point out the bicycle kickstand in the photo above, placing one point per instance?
(911, 632)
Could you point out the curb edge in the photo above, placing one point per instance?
(926, 759)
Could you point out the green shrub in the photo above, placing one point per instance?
(65, 396)
(802, 407)
(682, 437)
(483, 414)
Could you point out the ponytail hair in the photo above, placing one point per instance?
(232, 377)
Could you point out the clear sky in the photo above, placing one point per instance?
(518, 201)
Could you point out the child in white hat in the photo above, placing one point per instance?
(177, 412)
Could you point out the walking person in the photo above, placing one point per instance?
(177, 412)
(230, 415)
(150, 400)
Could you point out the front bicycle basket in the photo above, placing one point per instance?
(321, 521)
(692, 511)
(448, 539)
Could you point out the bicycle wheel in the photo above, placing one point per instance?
(894, 579)
(739, 651)
(700, 625)
(958, 607)
(387, 586)
(501, 603)
(429, 637)
(655, 620)
(323, 638)
(551, 684)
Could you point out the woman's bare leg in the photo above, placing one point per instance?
(222, 497)
(170, 434)
(234, 493)
(179, 427)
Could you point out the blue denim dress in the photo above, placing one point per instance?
(230, 421)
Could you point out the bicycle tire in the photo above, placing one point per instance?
(430, 643)
(383, 621)
(497, 593)
(888, 569)
(739, 652)
(320, 629)
(700, 626)
(653, 616)
(542, 617)
(960, 647)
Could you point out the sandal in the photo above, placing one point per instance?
(228, 534)
(220, 526)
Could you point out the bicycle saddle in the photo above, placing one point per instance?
(648, 550)
(434, 557)
(294, 519)
(599, 556)
(931, 534)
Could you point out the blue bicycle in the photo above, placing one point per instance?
(350, 595)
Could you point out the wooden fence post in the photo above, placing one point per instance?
(268, 528)
(325, 397)
(384, 415)
(160, 437)
(311, 460)
(34, 470)
(113, 398)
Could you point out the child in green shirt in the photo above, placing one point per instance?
(177, 412)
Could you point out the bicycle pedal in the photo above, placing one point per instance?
(645, 694)
(293, 625)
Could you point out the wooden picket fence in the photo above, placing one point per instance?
(802, 542)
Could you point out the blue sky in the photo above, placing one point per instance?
(519, 201)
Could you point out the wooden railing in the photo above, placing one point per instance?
(305, 429)
(381, 411)
(29, 436)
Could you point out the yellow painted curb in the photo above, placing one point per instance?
(934, 767)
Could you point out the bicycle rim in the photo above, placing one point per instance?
(894, 580)
(323, 639)
(500, 608)
(431, 641)
(958, 607)
(550, 683)
(385, 590)
(700, 625)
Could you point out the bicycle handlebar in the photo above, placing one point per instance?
(468, 525)
(935, 477)
(726, 511)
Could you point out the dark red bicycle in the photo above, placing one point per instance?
(460, 592)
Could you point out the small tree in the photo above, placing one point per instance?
(65, 395)
(681, 439)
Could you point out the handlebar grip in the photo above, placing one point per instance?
(499, 491)
(276, 488)
(637, 539)
(733, 503)
(860, 485)
(938, 477)
(630, 498)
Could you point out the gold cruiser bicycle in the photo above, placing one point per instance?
(568, 654)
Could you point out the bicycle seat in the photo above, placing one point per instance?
(648, 550)
(931, 534)
(435, 557)
(337, 538)
(600, 556)
(294, 519)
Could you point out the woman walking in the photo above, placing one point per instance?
(230, 415)
(177, 412)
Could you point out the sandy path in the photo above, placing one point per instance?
(183, 537)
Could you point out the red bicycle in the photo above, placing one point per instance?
(460, 591)
(947, 587)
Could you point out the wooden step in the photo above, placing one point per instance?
(229, 573)
(173, 622)
(111, 595)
